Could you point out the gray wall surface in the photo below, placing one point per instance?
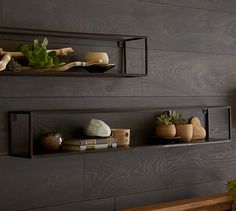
(192, 62)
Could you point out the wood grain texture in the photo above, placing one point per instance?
(189, 74)
(28, 184)
(161, 196)
(212, 5)
(177, 77)
(148, 169)
(217, 202)
(98, 205)
(168, 27)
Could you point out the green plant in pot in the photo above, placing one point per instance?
(231, 186)
(165, 128)
(183, 129)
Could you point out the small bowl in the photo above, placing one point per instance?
(99, 68)
(96, 56)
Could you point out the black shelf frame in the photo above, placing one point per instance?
(29, 142)
(120, 39)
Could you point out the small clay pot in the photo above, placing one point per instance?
(51, 142)
(185, 131)
(165, 131)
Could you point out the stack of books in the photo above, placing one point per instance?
(84, 144)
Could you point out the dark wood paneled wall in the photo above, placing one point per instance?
(192, 62)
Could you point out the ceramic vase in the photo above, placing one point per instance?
(185, 131)
(165, 131)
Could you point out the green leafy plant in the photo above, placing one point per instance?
(231, 186)
(171, 117)
(164, 119)
(12, 65)
(177, 118)
(38, 56)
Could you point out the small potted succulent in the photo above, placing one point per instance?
(165, 128)
(183, 129)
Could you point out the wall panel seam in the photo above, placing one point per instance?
(188, 7)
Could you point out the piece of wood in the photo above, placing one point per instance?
(58, 69)
(59, 52)
(4, 61)
(219, 202)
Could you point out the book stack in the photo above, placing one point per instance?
(85, 144)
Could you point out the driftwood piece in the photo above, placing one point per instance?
(4, 61)
(60, 52)
(60, 68)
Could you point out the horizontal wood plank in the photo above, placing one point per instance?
(168, 195)
(219, 202)
(189, 74)
(212, 5)
(98, 205)
(29, 183)
(169, 27)
(148, 169)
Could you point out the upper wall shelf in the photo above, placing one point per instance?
(128, 52)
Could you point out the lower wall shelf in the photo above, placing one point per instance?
(26, 127)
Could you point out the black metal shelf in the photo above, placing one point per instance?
(26, 127)
(157, 146)
(69, 74)
(123, 42)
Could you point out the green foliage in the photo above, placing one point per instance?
(171, 117)
(231, 186)
(177, 118)
(38, 56)
(12, 65)
(164, 119)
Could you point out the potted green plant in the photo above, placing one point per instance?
(165, 128)
(183, 129)
(231, 186)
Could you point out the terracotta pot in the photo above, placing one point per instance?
(185, 131)
(164, 131)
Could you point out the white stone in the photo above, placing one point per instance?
(97, 127)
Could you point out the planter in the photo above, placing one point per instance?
(164, 131)
(185, 131)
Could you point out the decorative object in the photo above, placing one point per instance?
(98, 56)
(183, 129)
(231, 186)
(97, 128)
(122, 136)
(95, 56)
(4, 61)
(58, 69)
(51, 142)
(199, 132)
(165, 128)
(99, 68)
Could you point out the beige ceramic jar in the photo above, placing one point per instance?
(185, 131)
